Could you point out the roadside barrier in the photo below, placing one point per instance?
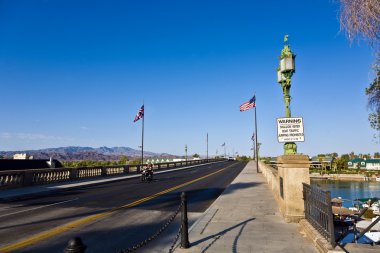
(21, 178)
(76, 245)
(318, 211)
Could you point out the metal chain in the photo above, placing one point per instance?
(175, 239)
(151, 238)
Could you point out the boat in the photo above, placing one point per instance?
(370, 203)
(363, 224)
(346, 219)
(374, 233)
(373, 236)
(377, 179)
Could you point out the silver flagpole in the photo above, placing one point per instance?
(253, 147)
(207, 146)
(142, 137)
(257, 152)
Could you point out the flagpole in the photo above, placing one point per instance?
(207, 146)
(254, 147)
(142, 138)
(256, 153)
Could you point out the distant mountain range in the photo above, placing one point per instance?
(85, 153)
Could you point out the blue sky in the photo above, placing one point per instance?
(74, 73)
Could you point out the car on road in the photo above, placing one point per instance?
(231, 158)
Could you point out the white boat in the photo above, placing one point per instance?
(376, 208)
(374, 233)
(373, 236)
(378, 179)
(354, 209)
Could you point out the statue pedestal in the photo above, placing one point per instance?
(293, 170)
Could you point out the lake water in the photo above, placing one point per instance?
(349, 190)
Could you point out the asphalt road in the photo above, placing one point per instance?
(113, 216)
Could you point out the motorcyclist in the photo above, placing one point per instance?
(147, 173)
(150, 169)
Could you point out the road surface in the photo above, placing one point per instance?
(114, 216)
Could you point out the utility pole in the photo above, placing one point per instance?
(207, 146)
(186, 152)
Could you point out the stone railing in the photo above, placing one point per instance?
(286, 184)
(21, 178)
(271, 175)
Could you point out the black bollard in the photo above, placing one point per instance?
(185, 226)
(75, 245)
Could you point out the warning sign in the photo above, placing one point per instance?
(290, 130)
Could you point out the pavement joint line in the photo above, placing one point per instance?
(32, 209)
(71, 225)
(208, 222)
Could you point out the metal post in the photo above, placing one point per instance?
(142, 138)
(257, 151)
(75, 245)
(185, 231)
(186, 153)
(254, 150)
(207, 147)
(330, 220)
(284, 76)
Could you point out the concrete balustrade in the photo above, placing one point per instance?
(286, 184)
(271, 175)
(22, 178)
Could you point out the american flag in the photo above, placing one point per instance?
(224, 144)
(140, 114)
(248, 105)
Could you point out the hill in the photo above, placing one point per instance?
(74, 153)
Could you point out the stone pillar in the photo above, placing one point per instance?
(293, 170)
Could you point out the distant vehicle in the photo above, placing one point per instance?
(147, 174)
(231, 158)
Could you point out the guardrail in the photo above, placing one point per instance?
(318, 211)
(21, 178)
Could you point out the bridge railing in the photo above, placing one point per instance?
(21, 178)
(318, 211)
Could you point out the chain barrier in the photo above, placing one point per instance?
(151, 238)
(175, 239)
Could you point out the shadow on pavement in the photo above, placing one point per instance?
(218, 235)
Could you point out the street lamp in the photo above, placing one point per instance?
(284, 76)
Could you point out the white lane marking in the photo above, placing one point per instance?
(38, 207)
(10, 207)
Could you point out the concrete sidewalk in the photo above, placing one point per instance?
(245, 218)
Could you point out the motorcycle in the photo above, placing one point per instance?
(147, 175)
